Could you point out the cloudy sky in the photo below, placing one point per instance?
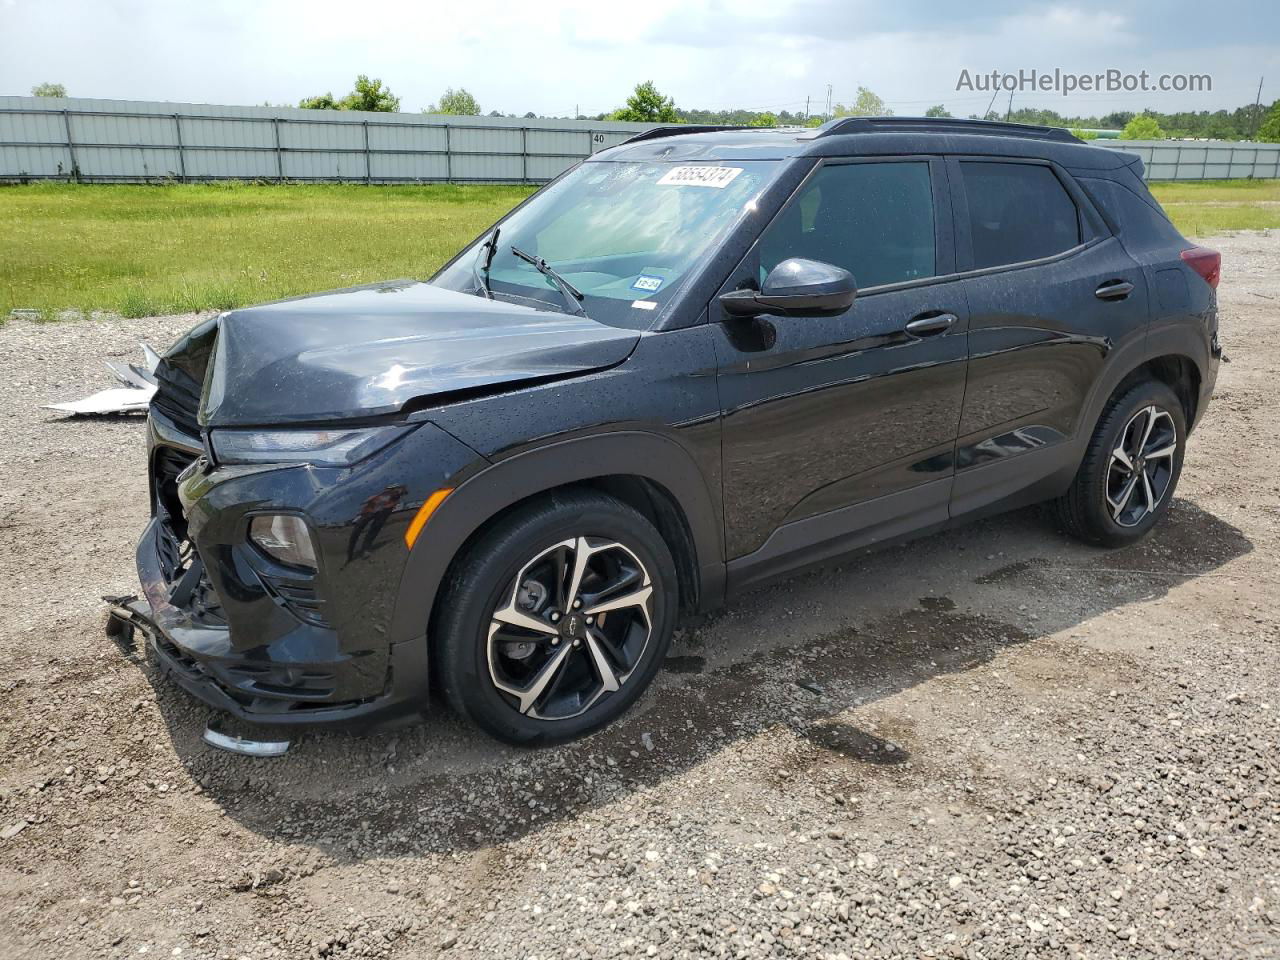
(552, 56)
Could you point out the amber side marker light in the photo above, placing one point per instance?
(424, 514)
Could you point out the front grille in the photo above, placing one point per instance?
(166, 464)
(180, 563)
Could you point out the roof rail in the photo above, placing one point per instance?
(675, 129)
(991, 128)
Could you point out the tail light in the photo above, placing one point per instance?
(1206, 262)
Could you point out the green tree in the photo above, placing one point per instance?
(458, 102)
(368, 95)
(323, 101)
(939, 111)
(647, 105)
(48, 90)
(372, 96)
(867, 104)
(1269, 132)
(764, 120)
(1142, 127)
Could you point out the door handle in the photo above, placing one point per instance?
(1114, 290)
(926, 325)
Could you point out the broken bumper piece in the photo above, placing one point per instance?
(138, 386)
(299, 678)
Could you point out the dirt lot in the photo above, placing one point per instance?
(993, 742)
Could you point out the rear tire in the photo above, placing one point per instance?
(1130, 469)
(556, 619)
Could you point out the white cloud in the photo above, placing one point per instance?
(557, 54)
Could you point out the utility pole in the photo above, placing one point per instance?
(1257, 108)
(1008, 113)
(828, 114)
(995, 93)
(806, 109)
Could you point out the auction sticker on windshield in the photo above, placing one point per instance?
(717, 177)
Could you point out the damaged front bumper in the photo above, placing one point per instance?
(265, 642)
(295, 680)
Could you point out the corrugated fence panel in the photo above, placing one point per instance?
(556, 142)
(128, 163)
(408, 166)
(463, 140)
(548, 168)
(482, 167)
(201, 132)
(324, 165)
(102, 129)
(33, 128)
(321, 136)
(114, 140)
(41, 162)
(231, 164)
(1201, 159)
(410, 138)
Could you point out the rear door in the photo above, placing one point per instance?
(1050, 294)
(840, 426)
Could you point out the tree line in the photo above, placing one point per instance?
(647, 104)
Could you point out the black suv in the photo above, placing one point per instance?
(651, 386)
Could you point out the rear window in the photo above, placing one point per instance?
(1017, 212)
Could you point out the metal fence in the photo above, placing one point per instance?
(1201, 159)
(95, 141)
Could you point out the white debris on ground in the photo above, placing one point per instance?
(134, 397)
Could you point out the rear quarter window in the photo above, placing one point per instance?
(1139, 222)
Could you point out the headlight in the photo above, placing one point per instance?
(332, 448)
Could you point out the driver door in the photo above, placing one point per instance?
(839, 431)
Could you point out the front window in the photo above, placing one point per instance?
(625, 235)
(873, 219)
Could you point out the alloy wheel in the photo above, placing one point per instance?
(571, 628)
(1141, 466)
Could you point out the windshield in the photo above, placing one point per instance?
(624, 235)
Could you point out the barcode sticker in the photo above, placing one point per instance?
(717, 177)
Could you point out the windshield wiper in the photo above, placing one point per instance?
(572, 296)
(482, 271)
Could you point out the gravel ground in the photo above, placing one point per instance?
(989, 743)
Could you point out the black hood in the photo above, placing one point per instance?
(370, 350)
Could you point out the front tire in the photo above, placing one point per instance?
(557, 619)
(1130, 469)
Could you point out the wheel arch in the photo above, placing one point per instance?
(1176, 355)
(651, 473)
(1178, 371)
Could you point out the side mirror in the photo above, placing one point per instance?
(796, 287)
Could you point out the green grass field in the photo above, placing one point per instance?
(144, 250)
(147, 250)
(1213, 206)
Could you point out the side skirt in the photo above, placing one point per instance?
(813, 541)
